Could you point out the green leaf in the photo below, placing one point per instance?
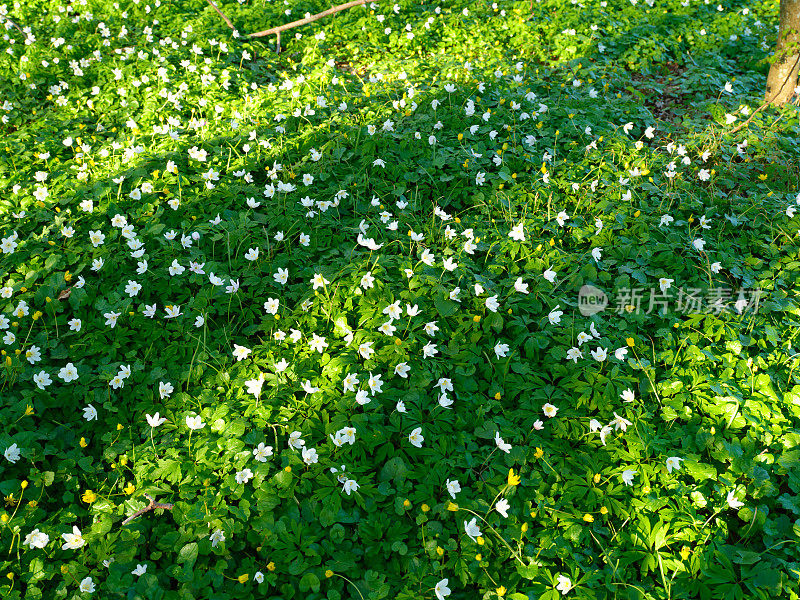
(188, 553)
(309, 583)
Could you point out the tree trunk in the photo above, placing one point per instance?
(782, 77)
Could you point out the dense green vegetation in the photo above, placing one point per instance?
(324, 305)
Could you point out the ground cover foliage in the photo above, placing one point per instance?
(325, 304)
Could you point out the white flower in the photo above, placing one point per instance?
(627, 395)
(216, 537)
(295, 441)
(732, 501)
(472, 530)
(90, 413)
(502, 507)
(12, 453)
(36, 539)
(555, 315)
(441, 590)
(87, 585)
(68, 373)
(310, 456)
(698, 244)
(505, 447)
(492, 304)
(673, 463)
(195, 422)
(453, 487)
(619, 422)
(155, 420)
(597, 254)
(429, 350)
(550, 275)
(349, 486)
(501, 350)
(73, 540)
(564, 584)
(415, 437)
(549, 410)
(517, 232)
(240, 352)
(600, 354)
(262, 452)
(243, 476)
(402, 370)
(165, 388)
(627, 476)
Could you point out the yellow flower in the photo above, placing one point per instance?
(89, 496)
(119, 427)
(439, 550)
(24, 484)
(685, 552)
(630, 342)
(513, 479)
(288, 469)
(130, 488)
(64, 569)
(4, 518)
(497, 396)
(501, 591)
(480, 540)
(596, 478)
(425, 508)
(603, 510)
(328, 573)
(36, 315)
(83, 442)
(588, 518)
(28, 410)
(478, 557)
(476, 318)
(243, 578)
(460, 136)
(452, 507)
(10, 576)
(406, 503)
(271, 566)
(538, 453)
(524, 527)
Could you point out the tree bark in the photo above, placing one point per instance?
(783, 73)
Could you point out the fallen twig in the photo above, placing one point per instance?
(152, 506)
(15, 25)
(277, 30)
(221, 14)
(766, 103)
